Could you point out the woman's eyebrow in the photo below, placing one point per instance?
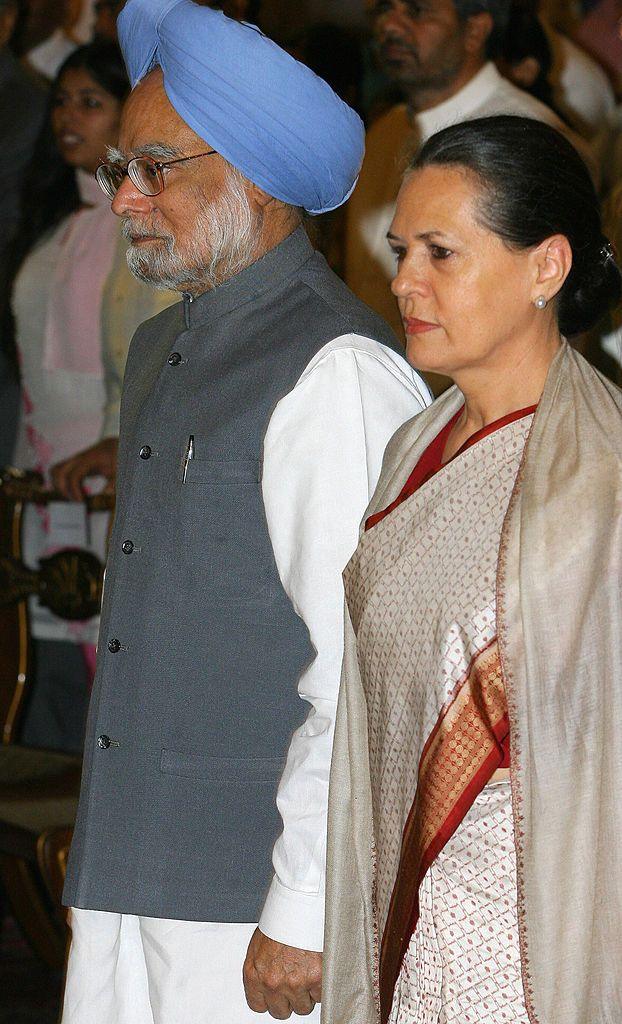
(425, 236)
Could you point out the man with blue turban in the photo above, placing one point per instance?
(254, 418)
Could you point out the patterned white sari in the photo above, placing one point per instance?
(421, 595)
(558, 671)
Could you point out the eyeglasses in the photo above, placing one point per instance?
(143, 171)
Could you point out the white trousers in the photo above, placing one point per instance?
(140, 970)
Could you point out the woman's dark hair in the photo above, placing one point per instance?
(534, 184)
(50, 193)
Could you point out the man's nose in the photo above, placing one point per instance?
(130, 199)
(394, 20)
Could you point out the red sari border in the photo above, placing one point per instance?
(483, 700)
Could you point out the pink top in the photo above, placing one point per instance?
(73, 324)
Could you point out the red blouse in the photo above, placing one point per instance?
(432, 459)
(428, 465)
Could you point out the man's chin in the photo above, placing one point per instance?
(142, 269)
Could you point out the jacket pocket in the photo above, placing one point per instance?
(223, 520)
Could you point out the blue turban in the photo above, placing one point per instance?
(267, 114)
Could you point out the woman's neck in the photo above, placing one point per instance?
(494, 391)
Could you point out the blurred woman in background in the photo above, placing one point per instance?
(71, 337)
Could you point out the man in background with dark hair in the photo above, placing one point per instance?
(22, 105)
(439, 52)
(106, 14)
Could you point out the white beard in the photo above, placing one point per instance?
(223, 244)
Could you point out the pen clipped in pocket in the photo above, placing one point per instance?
(187, 458)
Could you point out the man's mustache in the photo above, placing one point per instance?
(131, 230)
(391, 39)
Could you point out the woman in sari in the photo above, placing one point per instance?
(475, 864)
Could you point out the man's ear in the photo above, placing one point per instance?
(277, 211)
(257, 196)
(477, 29)
(525, 72)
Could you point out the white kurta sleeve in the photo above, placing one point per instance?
(322, 456)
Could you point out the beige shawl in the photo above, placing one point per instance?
(559, 613)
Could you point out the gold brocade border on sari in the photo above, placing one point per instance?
(459, 758)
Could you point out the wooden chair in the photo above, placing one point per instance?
(15, 654)
(38, 802)
(38, 788)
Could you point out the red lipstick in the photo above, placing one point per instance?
(414, 326)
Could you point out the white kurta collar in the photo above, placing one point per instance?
(462, 105)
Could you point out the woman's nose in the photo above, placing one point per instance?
(408, 281)
(64, 118)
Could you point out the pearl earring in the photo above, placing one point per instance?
(540, 302)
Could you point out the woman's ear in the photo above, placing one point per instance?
(552, 262)
(477, 29)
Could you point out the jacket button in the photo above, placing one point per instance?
(127, 547)
(174, 359)
(104, 742)
(114, 646)
(145, 452)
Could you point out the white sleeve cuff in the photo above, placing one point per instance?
(294, 918)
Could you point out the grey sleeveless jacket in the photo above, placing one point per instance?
(200, 649)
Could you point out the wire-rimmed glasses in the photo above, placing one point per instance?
(144, 171)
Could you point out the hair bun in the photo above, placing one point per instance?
(593, 287)
(607, 252)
